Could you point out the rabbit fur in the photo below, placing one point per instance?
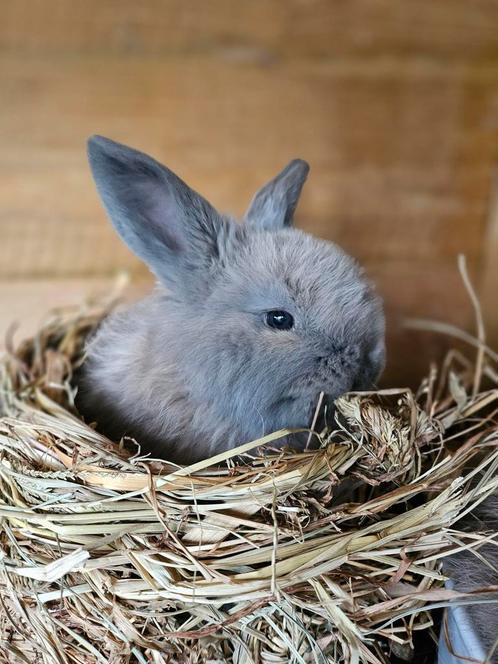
(194, 369)
(470, 571)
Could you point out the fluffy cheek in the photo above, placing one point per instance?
(216, 360)
(250, 377)
(265, 390)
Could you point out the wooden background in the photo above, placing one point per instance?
(393, 102)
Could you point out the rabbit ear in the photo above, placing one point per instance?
(274, 204)
(164, 222)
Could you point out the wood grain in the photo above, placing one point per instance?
(453, 29)
(25, 305)
(489, 271)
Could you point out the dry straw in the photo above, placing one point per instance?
(325, 556)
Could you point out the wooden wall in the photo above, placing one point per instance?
(393, 102)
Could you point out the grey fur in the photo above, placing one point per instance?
(193, 369)
(274, 204)
(469, 571)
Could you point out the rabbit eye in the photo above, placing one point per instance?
(279, 320)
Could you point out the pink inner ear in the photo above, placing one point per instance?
(165, 220)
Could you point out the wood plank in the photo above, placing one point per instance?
(489, 279)
(25, 304)
(263, 29)
(420, 290)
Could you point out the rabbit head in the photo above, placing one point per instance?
(250, 323)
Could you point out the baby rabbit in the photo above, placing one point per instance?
(470, 570)
(249, 322)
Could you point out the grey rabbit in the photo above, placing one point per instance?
(470, 570)
(249, 322)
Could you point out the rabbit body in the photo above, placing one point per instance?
(470, 571)
(248, 324)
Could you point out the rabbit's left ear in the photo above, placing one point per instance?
(164, 222)
(273, 206)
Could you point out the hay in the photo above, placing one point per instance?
(110, 557)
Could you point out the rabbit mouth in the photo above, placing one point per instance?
(315, 411)
(309, 405)
(321, 411)
(292, 411)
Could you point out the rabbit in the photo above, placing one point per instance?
(248, 323)
(470, 571)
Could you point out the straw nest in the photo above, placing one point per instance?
(107, 556)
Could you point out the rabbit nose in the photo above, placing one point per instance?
(336, 348)
(344, 357)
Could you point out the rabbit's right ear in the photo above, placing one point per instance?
(164, 222)
(274, 204)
